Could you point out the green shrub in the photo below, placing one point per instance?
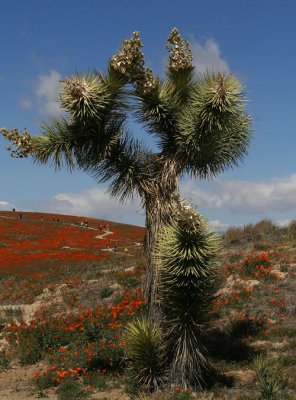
(4, 360)
(71, 389)
(28, 348)
(186, 254)
(106, 292)
(13, 312)
(146, 352)
(268, 378)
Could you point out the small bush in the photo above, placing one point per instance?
(181, 394)
(71, 389)
(233, 236)
(264, 231)
(29, 349)
(13, 312)
(265, 228)
(106, 292)
(146, 352)
(292, 230)
(4, 360)
(268, 378)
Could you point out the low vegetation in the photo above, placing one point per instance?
(69, 321)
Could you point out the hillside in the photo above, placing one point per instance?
(31, 241)
(68, 288)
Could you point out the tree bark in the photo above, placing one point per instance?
(158, 203)
(154, 222)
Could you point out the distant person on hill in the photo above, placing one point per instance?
(20, 216)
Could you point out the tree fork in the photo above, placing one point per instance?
(199, 122)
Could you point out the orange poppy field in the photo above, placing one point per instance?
(69, 286)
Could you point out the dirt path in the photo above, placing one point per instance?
(106, 233)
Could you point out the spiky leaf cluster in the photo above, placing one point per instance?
(84, 97)
(269, 378)
(214, 130)
(199, 122)
(186, 257)
(124, 168)
(146, 351)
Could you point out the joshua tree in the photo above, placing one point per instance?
(199, 123)
(186, 255)
(171, 349)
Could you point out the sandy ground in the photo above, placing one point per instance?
(18, 384)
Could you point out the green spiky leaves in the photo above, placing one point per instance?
(187, 247)
(269, 378)
(218, 93)
(213, 130)
(146, 351)
(199, 122)
(84, 96)
(186, 254)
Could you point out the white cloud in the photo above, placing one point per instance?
(92, 203)
(5, 206)
(273, 195)
(47, 93)
(218, 226)
(283, 222)
(207, 56)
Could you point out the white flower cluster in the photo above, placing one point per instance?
(147, 83)
(185, 214)
(180, 53)
(23, 142)
(129, 60)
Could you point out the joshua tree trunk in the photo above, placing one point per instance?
(154, 221)
(158, 196)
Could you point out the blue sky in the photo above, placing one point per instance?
(43, 41)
